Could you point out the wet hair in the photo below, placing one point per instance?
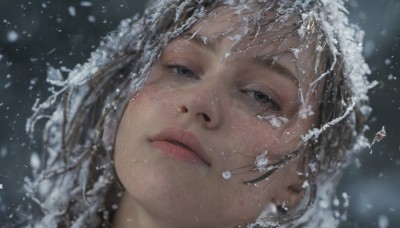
(77, 185)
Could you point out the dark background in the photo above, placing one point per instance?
(38, 34)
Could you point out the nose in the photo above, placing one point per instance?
(202, 105)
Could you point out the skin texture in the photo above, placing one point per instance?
(212, 90)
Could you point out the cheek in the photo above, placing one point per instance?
(150, 104)
(249, 132)
(149, 97)
(254, 136)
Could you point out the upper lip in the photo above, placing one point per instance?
(183, 138)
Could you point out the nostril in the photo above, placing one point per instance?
(182, 109)
(206, 117)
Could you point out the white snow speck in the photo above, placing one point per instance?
(313, 167)
(3, 150)
(296, 52)
(54, 76)
(72, 11)
(336, 202)
(391, 77)
(86, 4)
(388, 61)
(1, 56)
(35, 161)
(226, 174)
(1, 186)
(305, 184)
(261, 162)
(383, 221)
(346, 199)
(284, 119)
(12, 36)
(91, 18)
(324, 204)
(306, 112)
(274, 120)
(7, 85)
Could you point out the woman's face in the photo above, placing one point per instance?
(209, 107)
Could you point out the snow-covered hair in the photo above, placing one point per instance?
(77, 185)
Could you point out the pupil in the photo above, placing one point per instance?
(261, 97)
(182, 70)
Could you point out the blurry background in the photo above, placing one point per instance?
(62, 33)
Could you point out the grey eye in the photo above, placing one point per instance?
(262, 98)
(184, 71)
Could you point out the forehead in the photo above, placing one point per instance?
(248, 24)
(252, 31)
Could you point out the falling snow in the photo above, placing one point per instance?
(86, 4)
(35, 161)
(383, 221)
(91, 18)
(63, 76)
(72, 11)
(12, 36)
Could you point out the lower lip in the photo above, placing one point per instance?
(177, 151)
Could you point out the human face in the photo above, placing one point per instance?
(209, 107)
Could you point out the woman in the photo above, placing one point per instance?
(206, 114)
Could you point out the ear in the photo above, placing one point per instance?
(293, 191)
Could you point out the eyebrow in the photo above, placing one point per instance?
(211, 44)
(274, 65)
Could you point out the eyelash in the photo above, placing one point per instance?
(176, 68)
(267, 100)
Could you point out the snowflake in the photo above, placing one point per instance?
(226, 174)
(261, 162)
(306, 112)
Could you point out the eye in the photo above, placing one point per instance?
(260, 97)
(183, 71)
(264, 99)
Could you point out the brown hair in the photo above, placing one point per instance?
(78, 184)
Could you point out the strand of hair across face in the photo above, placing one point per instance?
(271, 169)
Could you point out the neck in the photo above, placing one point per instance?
(130, 214)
